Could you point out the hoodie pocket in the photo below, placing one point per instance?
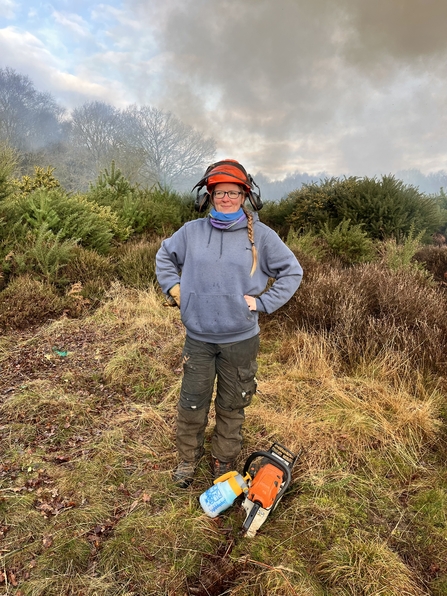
(217, 314)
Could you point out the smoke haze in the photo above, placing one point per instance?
(346, 87)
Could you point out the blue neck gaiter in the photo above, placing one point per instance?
(226, 216)
(225, 221)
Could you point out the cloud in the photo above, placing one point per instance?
(73, 22)
(28, 55)
(8, 9)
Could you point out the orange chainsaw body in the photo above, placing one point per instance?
(266, 485)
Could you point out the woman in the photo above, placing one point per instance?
(222, 264)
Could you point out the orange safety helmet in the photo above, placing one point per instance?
(227, 170)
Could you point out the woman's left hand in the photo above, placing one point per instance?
(251, 302)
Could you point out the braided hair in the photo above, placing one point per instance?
(251, 237)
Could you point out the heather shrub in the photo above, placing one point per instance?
(93, 271)
(367, 309)
(27, 302)
(135, 263)
(434, 259)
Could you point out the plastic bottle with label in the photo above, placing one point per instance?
(223, 493)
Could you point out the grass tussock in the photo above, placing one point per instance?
(361, 565)
(87, 439)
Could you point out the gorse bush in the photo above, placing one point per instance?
(308, 244)
(157, 212)
(277, 215)
(42, 179)
(399, 255)
(386, 208)
(42, 252)
(150, 211)
(441, 200)
(8, 163)
(72, 217)
(348, 242)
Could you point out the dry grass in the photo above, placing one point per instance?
(87, 447)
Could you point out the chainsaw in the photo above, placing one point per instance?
(270, 474)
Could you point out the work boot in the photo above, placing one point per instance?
(184, 473)
(222, 467)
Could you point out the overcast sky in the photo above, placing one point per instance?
(341, 86)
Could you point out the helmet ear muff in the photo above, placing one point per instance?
(255, 200)
(202, 200)
(254, 197)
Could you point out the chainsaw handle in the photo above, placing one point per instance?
(275, 461)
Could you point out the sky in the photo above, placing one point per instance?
(346, 87)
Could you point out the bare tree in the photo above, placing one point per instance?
(171, 149)
(100, 134)
(29, 119)
(95, 133)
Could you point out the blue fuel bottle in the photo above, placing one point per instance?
(223, 493)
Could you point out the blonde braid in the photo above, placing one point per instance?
(251, 237)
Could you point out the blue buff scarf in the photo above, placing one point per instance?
(224, 221)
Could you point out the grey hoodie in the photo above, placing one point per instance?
(213, 267)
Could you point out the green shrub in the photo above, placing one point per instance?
(150, 211)
(276, 215)
(43, 253)
(72, 217)
(307, 244)
(348, 242)
(8, 163)
(387, 208)
(399, 255)
(159, 212)
(441, 201)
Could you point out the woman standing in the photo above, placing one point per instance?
(222, 264)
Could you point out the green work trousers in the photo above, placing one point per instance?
(234, 366)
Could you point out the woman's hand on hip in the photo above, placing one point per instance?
(251, 302)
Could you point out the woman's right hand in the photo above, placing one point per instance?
(175, 293)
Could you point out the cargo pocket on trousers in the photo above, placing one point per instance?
(246, 386)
